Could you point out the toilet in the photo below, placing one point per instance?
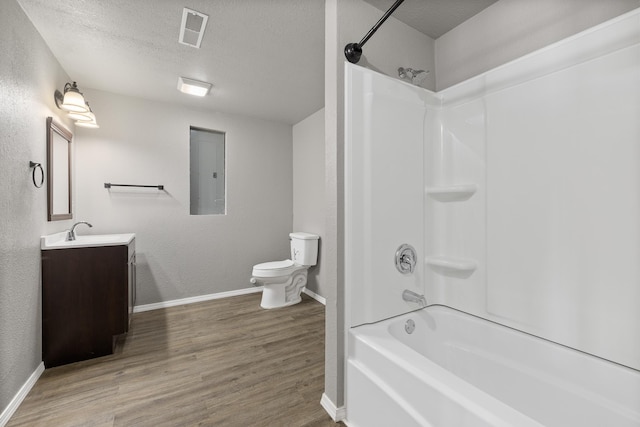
(283, 281)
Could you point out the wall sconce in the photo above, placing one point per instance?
(85, 120)
(74, 103)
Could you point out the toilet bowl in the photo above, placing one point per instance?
(283, 281)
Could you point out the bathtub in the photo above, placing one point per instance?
(457, 370)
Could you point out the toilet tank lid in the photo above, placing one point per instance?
(303, 236)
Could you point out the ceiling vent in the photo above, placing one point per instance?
(192, 27)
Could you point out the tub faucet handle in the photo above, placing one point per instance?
(406, 259)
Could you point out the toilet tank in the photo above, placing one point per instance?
(304, 248)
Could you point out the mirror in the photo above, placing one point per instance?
(58, 171)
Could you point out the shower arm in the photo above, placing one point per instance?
(353, 51)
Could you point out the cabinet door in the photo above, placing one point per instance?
(84, 302)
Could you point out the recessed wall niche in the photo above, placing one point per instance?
(207, 172)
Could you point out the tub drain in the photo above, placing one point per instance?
(410, 326)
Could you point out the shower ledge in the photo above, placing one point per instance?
(452, 193)
(452, 264)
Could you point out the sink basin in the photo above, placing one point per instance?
(58, 240)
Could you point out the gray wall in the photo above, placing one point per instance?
(308, 188)
(181, 255)
(29, 74)
(510, 29)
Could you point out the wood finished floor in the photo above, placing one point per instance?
(217, 363)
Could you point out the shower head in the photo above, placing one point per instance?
(419, 77)
(416, 77)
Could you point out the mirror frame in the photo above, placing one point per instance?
(53, 129)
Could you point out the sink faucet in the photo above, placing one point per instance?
(411, 296)
(71, 234)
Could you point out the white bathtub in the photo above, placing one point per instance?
(457, 370)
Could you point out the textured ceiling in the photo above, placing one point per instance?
(265, 58)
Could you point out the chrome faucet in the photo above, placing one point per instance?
(71, 233)
(406, 259)
(411, 296)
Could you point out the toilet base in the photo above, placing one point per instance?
(269, 304)
(283, 292)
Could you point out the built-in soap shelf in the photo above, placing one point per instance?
(451, 265)
(452, 193)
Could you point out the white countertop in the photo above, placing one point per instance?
(58, 240)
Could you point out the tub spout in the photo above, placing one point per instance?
(411, 296)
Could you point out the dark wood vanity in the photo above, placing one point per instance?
(88, 294)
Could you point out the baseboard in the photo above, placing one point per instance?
(8, 412)
(191, 300)
(201, 298)
(336, 414)
(322, 300)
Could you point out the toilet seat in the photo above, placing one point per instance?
(275, 268)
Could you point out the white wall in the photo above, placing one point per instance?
(551, 141)
(394, 45)
(180, 255)
(460, 56)
(308, 188)
(509, 29)
(384, 140)
(29, 75)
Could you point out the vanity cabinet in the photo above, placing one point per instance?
(88, 294)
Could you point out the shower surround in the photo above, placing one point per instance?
(520, 191)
